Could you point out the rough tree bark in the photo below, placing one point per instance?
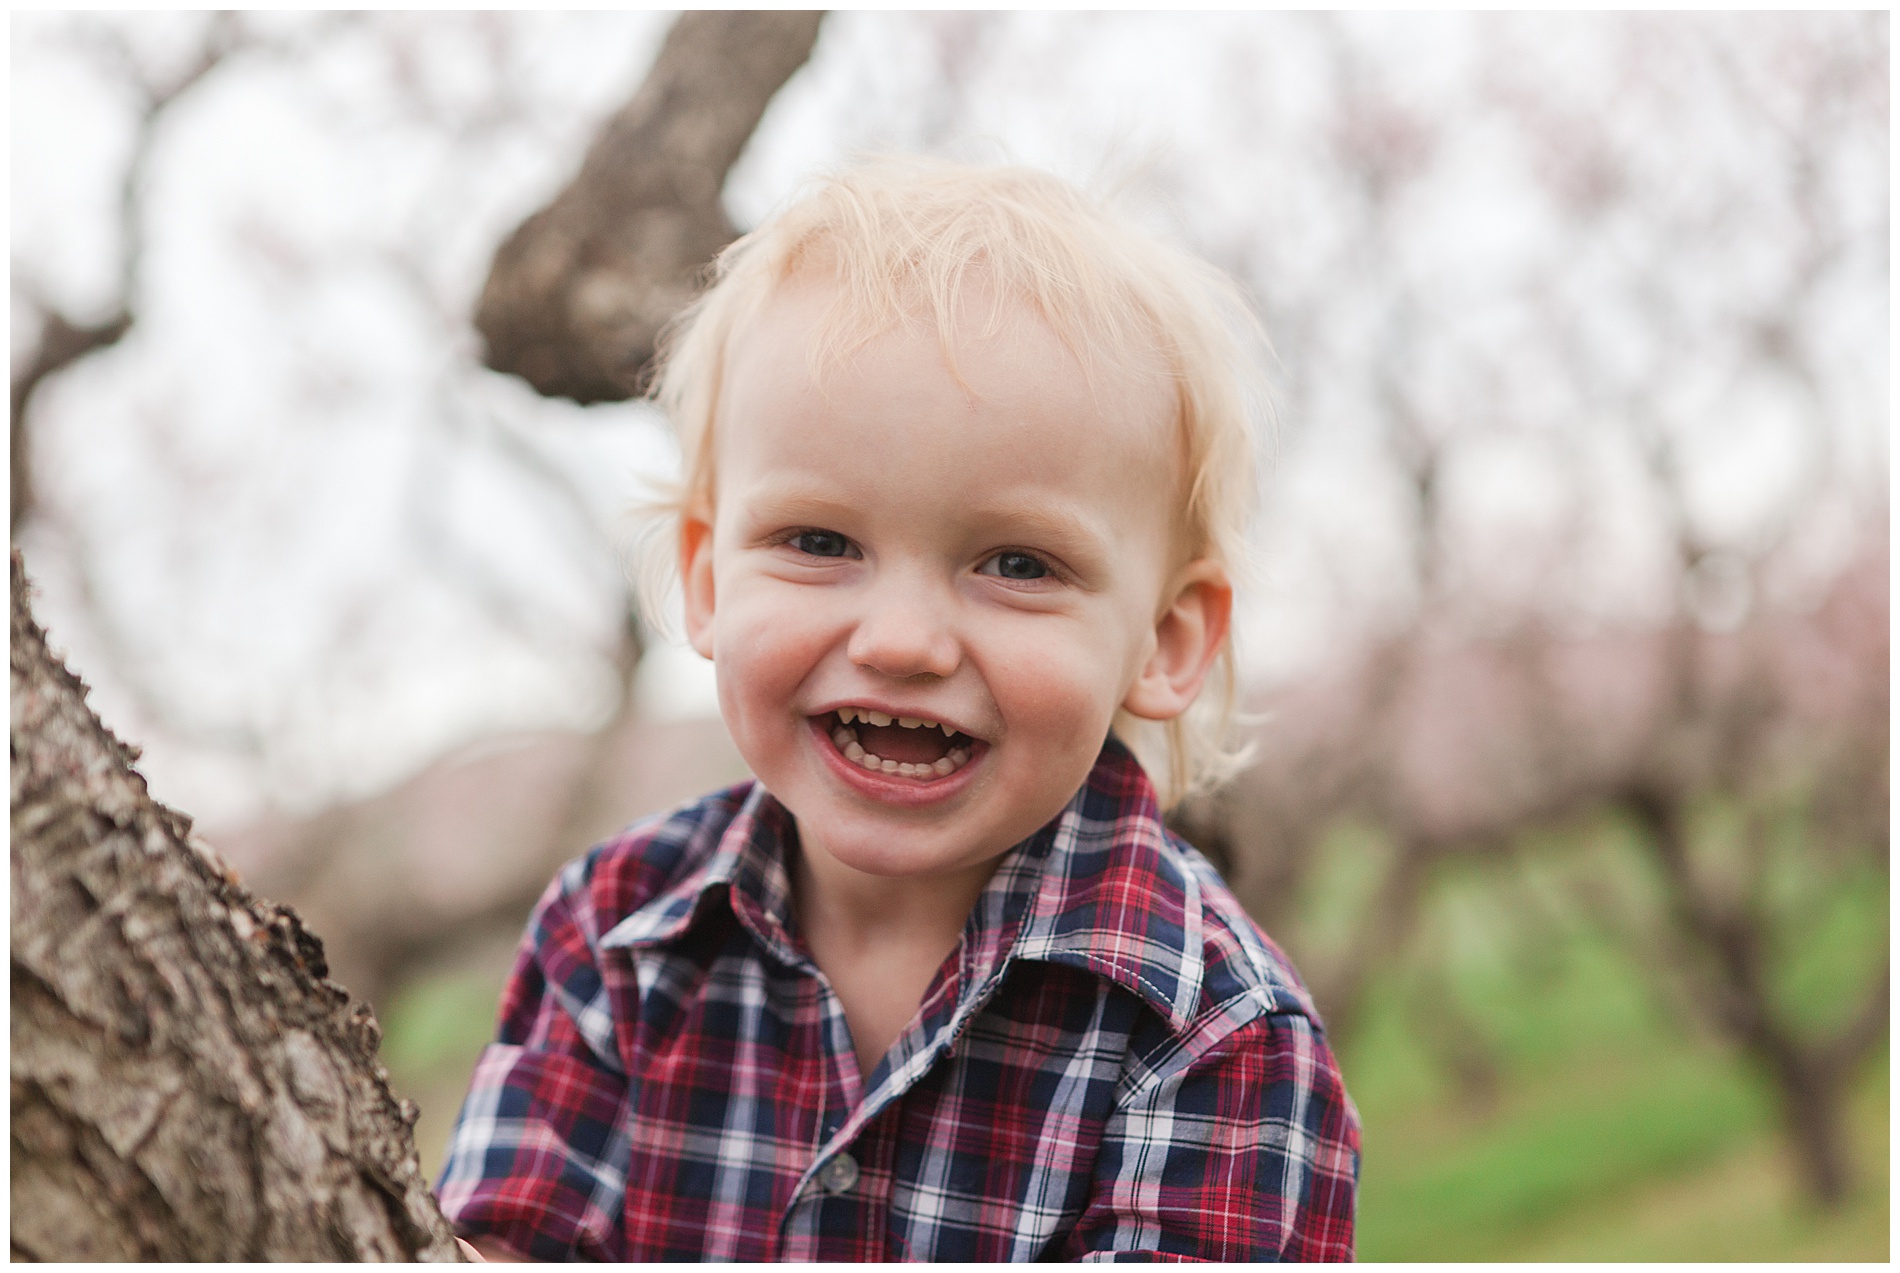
(577, 294)
(186, 1083)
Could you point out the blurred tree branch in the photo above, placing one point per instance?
(62, 339)
(61, 342)
(579, 292)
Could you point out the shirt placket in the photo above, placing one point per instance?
(841, 1207)
(830, 1170)
(843, 1192)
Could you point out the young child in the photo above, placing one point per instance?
(967, 467)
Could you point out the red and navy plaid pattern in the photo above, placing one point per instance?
(1115, 1063)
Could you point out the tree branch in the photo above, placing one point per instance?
(579, 292)
(62, 340)
(61, 343)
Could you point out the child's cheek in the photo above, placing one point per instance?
(1053, 693)
(763, 652)
(755, 664)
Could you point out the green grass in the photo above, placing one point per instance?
(445, 1020)
(1743, 1205)
(1459, 1185)
(1528, 1092)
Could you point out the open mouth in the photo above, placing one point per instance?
(907, 746)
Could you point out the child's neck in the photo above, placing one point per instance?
(879, 940)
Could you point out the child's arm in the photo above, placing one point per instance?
(1248, 1151)
(537, 1161)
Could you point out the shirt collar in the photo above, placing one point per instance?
(1100, 887)
(747, 865)
(1110, 892)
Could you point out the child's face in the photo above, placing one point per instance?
(998, 561)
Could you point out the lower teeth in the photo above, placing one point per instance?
(847, 743)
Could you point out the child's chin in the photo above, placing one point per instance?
(911, 858)
(891, 841)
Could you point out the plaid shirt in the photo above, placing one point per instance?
(1114, 1062)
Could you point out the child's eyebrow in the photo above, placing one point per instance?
(777, 501)
(1046, 525)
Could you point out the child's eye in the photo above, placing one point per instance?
(821, 543)
(1015, 566)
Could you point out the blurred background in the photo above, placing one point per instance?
(1568, 647)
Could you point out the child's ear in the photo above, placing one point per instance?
(696, 580)
(1188, 638)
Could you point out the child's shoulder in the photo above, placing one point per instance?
(1239, 961)
(1135, 904)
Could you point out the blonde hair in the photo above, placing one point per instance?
(899, 238)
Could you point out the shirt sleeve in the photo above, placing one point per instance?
(538, 1158)
(1247, 1152)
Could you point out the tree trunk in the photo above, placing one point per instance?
(1809, 1074)
(1815, 1105)
(187, 1084)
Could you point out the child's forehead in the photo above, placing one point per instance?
(809, 322)
(788, 385)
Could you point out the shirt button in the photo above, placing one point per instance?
(838, 1175)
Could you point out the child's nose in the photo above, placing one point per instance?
(905, 632)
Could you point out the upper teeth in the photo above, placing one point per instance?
(851, 714)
